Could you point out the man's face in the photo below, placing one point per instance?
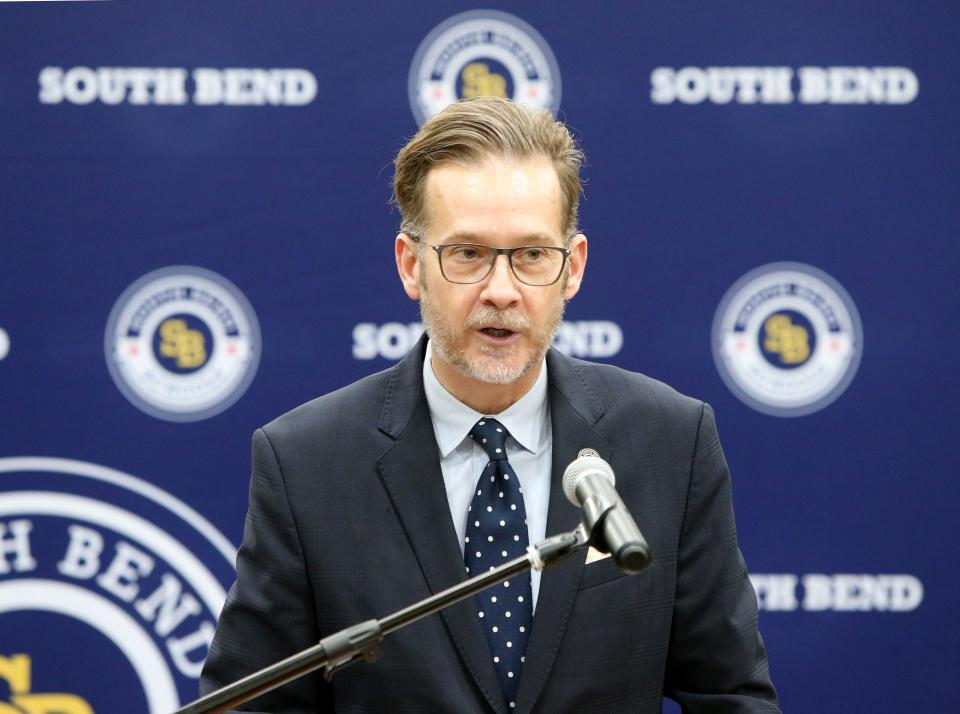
(495, 331)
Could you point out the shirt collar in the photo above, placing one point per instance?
(453, 420)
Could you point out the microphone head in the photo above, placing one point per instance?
(579, 469)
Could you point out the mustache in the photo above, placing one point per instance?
(507, 319)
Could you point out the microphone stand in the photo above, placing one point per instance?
(362, 641)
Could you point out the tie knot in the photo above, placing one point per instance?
(492, 436)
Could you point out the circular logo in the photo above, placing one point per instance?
(787, 339)
(103, 572)
(4, 343)
(482, 53)
(182, 343)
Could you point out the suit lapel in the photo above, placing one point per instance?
(574, 409)
(410, 469)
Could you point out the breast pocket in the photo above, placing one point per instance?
(600, 572)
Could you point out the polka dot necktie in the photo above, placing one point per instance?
(496, 533)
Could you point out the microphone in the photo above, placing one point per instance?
(588, 483)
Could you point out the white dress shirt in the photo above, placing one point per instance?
(529, 450)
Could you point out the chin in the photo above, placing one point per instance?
(495, 366)
(488, 364)
(494, 372)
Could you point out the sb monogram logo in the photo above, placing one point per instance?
(183, 344)
(479, 81)
(15, 670)
(784, 338)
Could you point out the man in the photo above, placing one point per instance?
(404, 483)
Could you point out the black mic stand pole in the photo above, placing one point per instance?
(362, 641)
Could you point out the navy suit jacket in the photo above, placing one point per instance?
(348, 520)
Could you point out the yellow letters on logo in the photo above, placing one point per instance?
(187, 346)
(16, 671)
(790, 341)
(479, 81)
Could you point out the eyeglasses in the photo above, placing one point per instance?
(467, 263)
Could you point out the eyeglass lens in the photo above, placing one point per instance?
(472, 263)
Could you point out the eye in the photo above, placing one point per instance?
(465, 253)
(531, 255)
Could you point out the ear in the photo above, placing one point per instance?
(408, 265)
(578, 263)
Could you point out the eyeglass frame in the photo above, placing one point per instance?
(497, 252)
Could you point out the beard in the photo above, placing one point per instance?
(493, 364)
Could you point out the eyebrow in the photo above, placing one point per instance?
(461, 237)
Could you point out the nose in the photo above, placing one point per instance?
(500, 288)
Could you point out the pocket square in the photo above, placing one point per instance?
(594, 554)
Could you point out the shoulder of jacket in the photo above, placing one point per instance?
(623, 390)
(351, 402)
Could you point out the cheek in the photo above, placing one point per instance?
(453, 306)
(543, 306)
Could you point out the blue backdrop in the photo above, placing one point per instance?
(197, 237)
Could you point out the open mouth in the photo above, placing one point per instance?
(496, 332)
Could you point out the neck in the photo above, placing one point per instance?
(483, 397)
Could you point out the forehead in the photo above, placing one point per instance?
(494, 199)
